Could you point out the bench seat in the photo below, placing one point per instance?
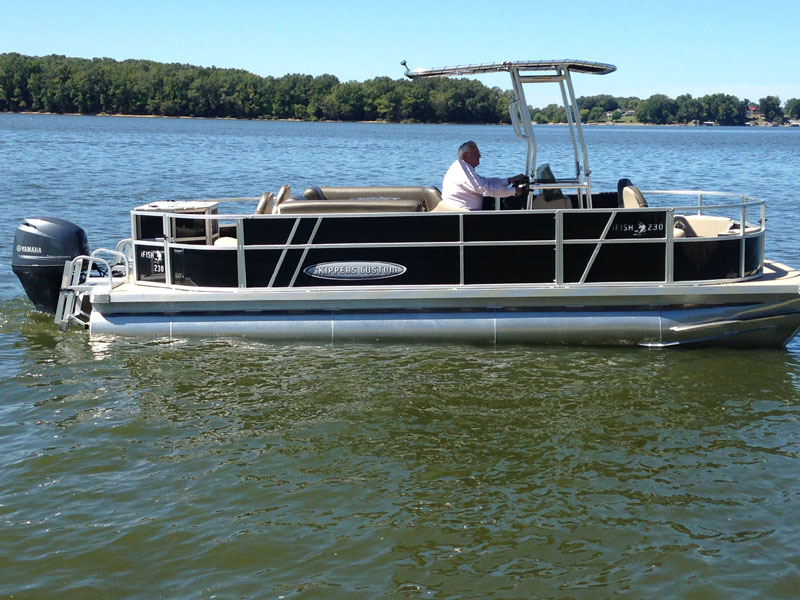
(430, 196)
(701, 225)
(350, 205)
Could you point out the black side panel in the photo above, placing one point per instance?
(261, 264)
(149, 227)
(753, 250)
(627, 224)
(717, 259)
(509, 226)
(151, 265)
(615, 262)
(383, 230)
(267, 231)
(509, 264)
(584, 226)
(352, 230)
(215, 268)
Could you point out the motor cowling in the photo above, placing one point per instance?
(41, 247)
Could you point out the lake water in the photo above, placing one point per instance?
(230, 469)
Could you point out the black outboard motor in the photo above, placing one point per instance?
(41, 247)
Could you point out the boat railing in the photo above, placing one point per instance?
(743, 219)
(701, 196)
(747, 210)
(124, 248)
(746, 214)
(102, 270)
(581, 189)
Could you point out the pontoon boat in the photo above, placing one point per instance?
(558, 264)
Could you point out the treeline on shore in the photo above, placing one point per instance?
(658, 109)
(59, 84)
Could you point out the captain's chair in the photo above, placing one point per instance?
(632, 198)
(550, 198)
(629, 195)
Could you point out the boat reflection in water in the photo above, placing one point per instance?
(560, 263)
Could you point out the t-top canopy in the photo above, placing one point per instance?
(576, 66)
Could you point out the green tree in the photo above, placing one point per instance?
(771, 109)
(657, 109)
(344, 103)
(539, 117)
(604, 101)
(689, 109)
(555, 113)
(793, 108)
(290, 92)
(723, 109)
(597, 114)
(15, 70)
(417, 105)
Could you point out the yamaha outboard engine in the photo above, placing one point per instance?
(41, 247)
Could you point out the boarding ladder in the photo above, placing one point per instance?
(112, 268)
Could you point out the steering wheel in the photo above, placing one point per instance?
(519, 200)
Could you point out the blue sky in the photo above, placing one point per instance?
(744, 48)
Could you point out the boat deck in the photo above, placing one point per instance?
(777, 281)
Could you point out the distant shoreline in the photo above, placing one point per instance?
(759, 125)
(147, 89)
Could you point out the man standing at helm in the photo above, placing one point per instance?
(464, 189)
